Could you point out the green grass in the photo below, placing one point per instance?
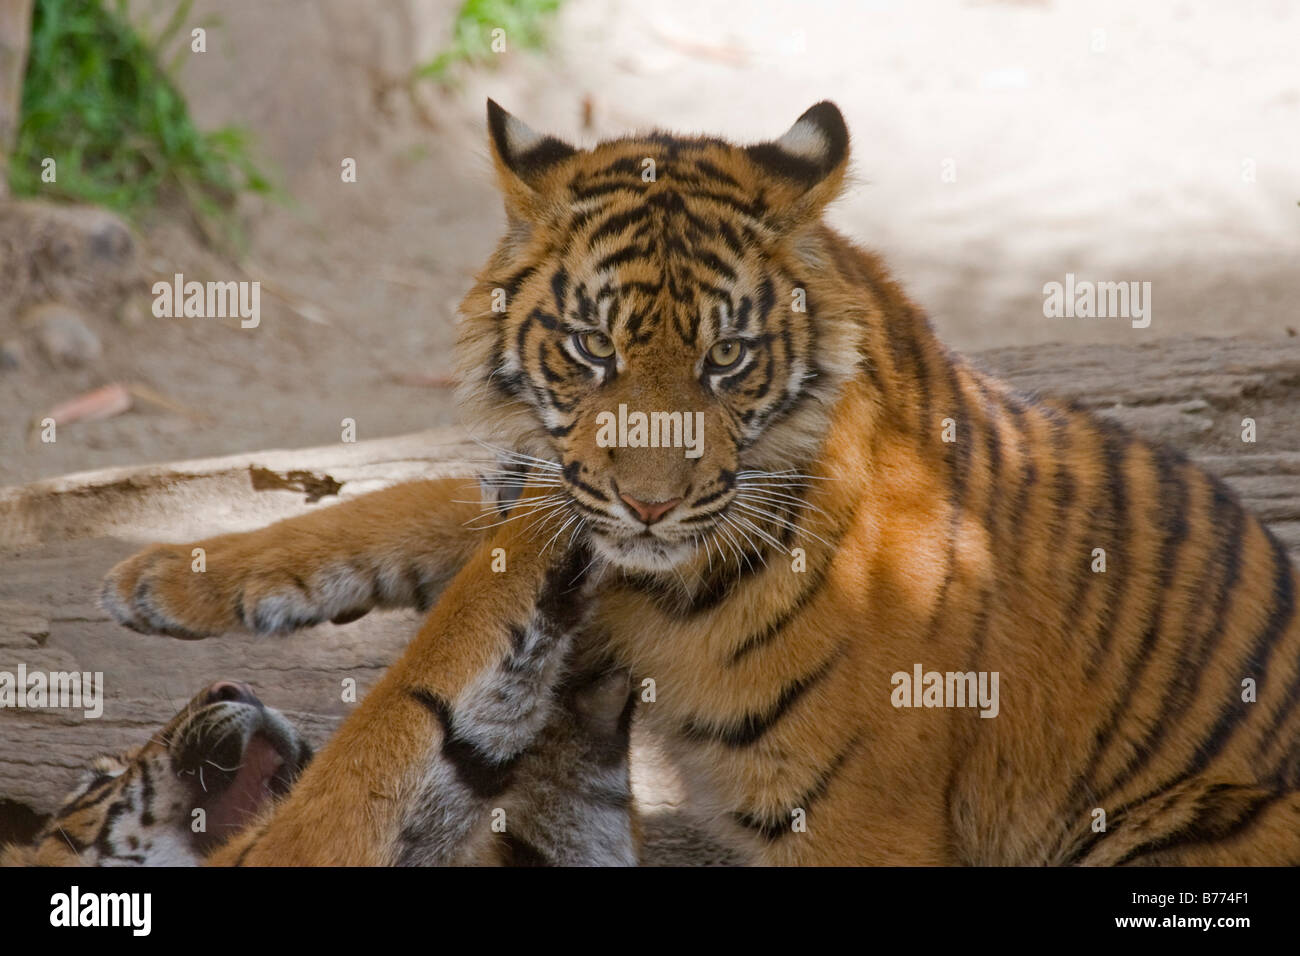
(526, 24)
(97, 100)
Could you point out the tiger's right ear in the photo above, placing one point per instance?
(523, 159)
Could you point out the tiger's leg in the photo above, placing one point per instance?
(414, 774)
(393, 548)
(570, 803)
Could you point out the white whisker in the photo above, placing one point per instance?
(777, 519)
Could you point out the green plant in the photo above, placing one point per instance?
(97, 101)
(525, 24)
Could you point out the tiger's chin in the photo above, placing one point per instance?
(642, 552)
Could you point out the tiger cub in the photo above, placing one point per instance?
(564, 802)
(818, 539)
(168, 802)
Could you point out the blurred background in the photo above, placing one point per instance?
(997, 146)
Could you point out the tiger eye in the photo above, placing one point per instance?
(596, 345)
(726, 352)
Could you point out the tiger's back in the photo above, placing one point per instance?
(1126, 602)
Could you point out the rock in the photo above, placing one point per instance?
(64, 335)
(80, 255)
(12, 355)
(109, 240)
(135, 310)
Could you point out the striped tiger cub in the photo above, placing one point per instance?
(798, 505)
(561, 800)
(192, 785)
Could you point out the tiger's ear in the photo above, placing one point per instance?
(806, 165)
(523, 159)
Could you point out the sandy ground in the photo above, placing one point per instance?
(998, 146)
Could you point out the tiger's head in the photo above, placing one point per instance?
(647, 335)
(224, 754)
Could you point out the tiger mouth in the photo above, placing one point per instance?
(264, 774)
(239, 756)
(643, 551)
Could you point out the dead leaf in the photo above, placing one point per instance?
(92, 406)
(314, 486)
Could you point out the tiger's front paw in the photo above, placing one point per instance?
(197, 591)
(168, 589)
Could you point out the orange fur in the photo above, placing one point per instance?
(1120, 691)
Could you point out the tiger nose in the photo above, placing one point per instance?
(650, 511)
(229, 690)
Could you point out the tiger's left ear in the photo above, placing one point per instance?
(806, 165)
(524, 159)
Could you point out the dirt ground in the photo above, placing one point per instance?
(998, 146)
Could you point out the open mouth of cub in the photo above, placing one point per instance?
(240, 757)
(263, 774)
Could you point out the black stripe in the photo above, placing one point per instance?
(243, 854)
(726, 481)
(101, 839)
(571, 472)
(146, 794)
(586, 308)
(731, 240)
(633, 326)
(1222, 567)
(559, 286)
(766, 300)
(749, 729)
(516, 851)
(957, 453)
(993, 447)
(772, 829)
(713, 172)
(922, 378)
(91, 797)
(711, 261)
(1279, 620)
(591, 190)
(548, 373)
(1173, 507)
(1028, 473)
(1210, 825)
(764, 637)
(629, 165)
(1234, 710)
(512, 284)
(743, 311)
(620, 257)
(1115, 443)
(716, 590)
(483, 776)
(754, 208)
(617, 222)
